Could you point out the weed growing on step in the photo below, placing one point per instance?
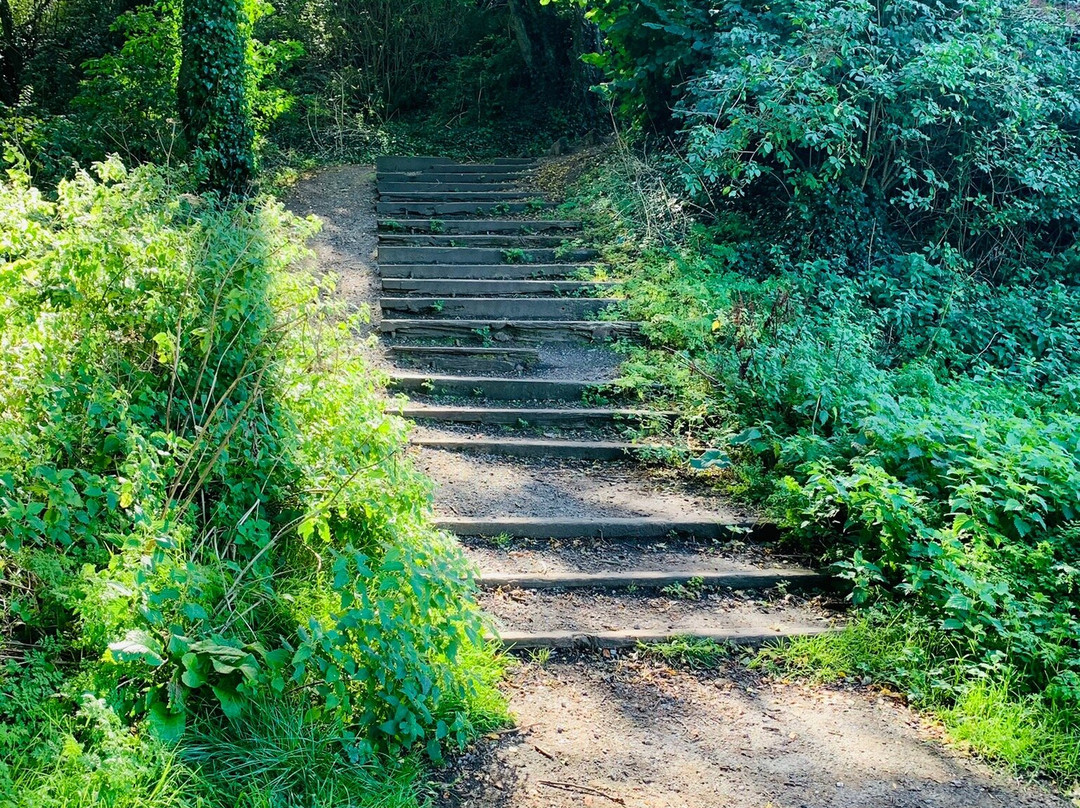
(691, 589)
(515, 255)
(698, 653)
(540, 656)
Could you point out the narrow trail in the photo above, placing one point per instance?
(489, 324)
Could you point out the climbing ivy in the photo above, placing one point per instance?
(211, 92)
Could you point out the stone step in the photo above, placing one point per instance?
(496, 388)
(517, 308)
(459, 359)
(425, 195)
(441, 287)
(407, 208)
(764, 578)
(479, 255)
(533, 447)
(417, 185)
(506, 241)
(492, 272)
(508, 175)
(635, 527)
(632, 638)
(566, 417)
(527, 331)
(466, 226)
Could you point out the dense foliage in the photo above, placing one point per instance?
(207, 526)
(864, 294)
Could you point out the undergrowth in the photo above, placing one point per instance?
(911, 423)
(218, 581)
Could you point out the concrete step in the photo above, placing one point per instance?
(632, 638)
(466, 226)
(515, 308)
(490, 272)
(425, 195)
(496, 388)
(533, 447)
(566, 417)
(407, 208)
(527, 331)
(743, 579)
(410, 186)
(476, 288)
(528, 527)
(391, 254)
(507, 241)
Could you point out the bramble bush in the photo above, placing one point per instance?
(208, 529)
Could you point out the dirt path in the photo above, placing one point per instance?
(609, 732)
(611, 728)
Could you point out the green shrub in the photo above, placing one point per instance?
(205, 514)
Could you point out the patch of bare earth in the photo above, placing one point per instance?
(342, 198)
(623, 731)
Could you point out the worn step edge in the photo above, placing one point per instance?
(475, 287)
(411, 185)
(490, 272)
(533, 416)
(649, 579)
(529, 331)
(502, 241)
(631, 638)
(424, 195)
(419, 254)
(527, 527)
(497, 388)
(466, 226)
(500, 176)
(520, 308)
(528, 447)
(456, 208)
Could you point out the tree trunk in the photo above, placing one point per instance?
(10, 57)
(212, 96)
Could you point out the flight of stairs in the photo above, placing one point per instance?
(500, 335)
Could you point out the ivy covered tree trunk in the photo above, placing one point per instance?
(211, 93)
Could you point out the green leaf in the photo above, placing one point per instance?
(232, 704)
(137, 646)
(167, 726)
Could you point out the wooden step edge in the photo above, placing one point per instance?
(464, 350)
(531, 415)
(403, 224)
(527, 527)
(632, 638)
(525, 447)
(651, 579)
(441, 378)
